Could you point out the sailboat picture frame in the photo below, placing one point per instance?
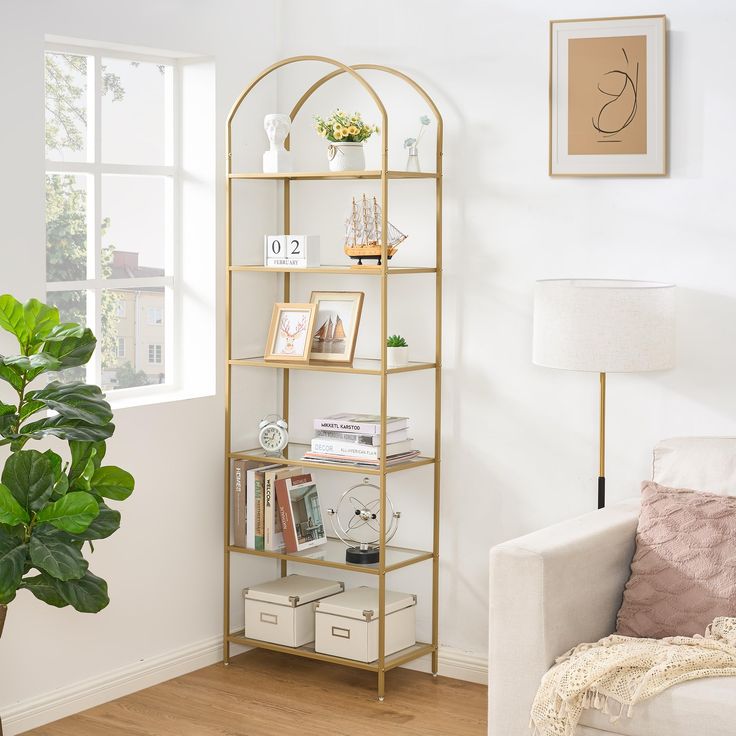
(335, 326)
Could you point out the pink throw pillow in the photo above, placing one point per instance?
(683, 573)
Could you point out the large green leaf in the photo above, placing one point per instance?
(12, 565)
(61, 481)
(112, 482)
(106, 523)
(51, 551)
(10, 374)
(66, 429)
(87, 595)
(13, 318)
(72, 513)
(82, 466)
(8, 417)
(11, 512)
(30, 478)
(43, 586)
(40, 320)
(64, 330)
(73, 350)
(75, 400)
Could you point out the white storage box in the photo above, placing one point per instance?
(346, 625)
(282, 611)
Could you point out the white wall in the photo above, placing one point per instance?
(163, 566)
(520, 441)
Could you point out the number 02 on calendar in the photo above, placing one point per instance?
(292, 251)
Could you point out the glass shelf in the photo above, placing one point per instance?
(332, 554)
(420, 649)
(364, 366)
(349, 270)
(294, 452)
(320, 175)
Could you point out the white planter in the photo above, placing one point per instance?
(346, 157)
(397, 357)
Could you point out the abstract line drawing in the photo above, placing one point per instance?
(619, 111)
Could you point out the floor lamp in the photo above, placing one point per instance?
(604, 326)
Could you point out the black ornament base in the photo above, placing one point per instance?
(358, 556)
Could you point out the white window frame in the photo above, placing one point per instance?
(118, 352)
(94, 284)
(158, 312)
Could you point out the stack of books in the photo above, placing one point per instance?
(355, 439)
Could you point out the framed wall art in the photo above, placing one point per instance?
(607, 97)
(288, 336)
(336, 325)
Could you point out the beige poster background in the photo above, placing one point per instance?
(607, 102)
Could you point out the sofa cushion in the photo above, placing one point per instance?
(683, 573)
(706, 706)
(705, 463)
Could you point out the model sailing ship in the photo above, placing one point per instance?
(363, 233)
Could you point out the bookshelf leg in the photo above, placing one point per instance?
(381, 685)
(435, 663)
(283, 568)
(226, 653)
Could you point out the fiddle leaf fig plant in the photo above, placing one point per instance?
(50, 505)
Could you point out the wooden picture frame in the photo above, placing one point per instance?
(336, 325)
(287, 341)
(608, 96)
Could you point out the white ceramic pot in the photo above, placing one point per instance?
(397, 357)
(346, 157)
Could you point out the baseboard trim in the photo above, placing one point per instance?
(80, 696)
(75, 698)
(457, 664)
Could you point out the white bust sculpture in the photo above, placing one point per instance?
(277, 159)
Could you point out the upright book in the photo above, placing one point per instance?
(300, 512)
(273, 535)
(239, 482)
(254, 502)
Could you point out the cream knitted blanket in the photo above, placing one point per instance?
(619, 671)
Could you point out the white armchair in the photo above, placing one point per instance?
(563, 585)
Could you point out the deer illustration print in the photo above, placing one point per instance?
(290, 335)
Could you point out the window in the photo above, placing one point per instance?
(154, 353)
(112, 188)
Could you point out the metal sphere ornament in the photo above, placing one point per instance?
(357, 522)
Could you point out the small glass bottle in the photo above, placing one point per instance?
(412, 162)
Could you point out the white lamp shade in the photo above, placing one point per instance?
(604, 325)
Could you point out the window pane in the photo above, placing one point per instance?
(134, 224)
(72, 306)
(134, 112)
(66, 227)
(66, 106)
(132, 344)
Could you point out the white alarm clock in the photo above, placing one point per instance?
(273, 435)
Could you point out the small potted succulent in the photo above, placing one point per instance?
(345, 133)
(397, 351)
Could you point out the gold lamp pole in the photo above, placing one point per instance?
(602, 447)
(604, 326)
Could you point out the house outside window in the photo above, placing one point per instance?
(155, 354)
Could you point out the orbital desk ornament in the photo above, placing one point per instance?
(357, 522)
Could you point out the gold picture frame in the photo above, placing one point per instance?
(608, 96)
(336, 325)
(289, 342)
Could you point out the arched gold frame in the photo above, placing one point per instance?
(383, 271)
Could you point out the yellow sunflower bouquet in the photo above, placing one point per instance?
(342, 127)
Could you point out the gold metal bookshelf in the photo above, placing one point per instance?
(332, 555)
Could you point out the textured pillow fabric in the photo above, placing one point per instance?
(683, 573)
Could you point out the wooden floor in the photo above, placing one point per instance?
(263, 693)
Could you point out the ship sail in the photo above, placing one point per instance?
(321, 333)
(330, 329)
(339, 331)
